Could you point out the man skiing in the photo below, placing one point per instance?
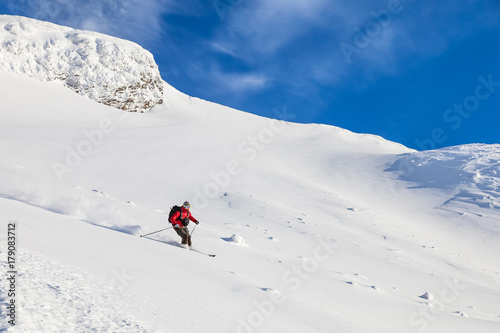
(180, 219)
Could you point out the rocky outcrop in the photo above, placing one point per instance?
(109, 70)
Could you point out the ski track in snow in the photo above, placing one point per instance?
(348, 231)
(57, 298)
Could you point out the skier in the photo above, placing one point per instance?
(180, 219)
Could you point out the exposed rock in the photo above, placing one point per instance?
(109, 70)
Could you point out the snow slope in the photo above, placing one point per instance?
(315, 228)
(111, 71)
(472, 171)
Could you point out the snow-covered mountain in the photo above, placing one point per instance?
(471, 171)
(109, 70)
(315, 228)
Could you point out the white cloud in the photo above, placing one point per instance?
(239, 82)
(265, 26)
(137, 20)
(263, 31)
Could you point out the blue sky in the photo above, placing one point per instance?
(424, 73)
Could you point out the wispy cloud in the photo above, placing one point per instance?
(261, 44)
(279, 34)
(137, 20)
(237, 83)
(266, 26)
(241, 82)
(298, 41)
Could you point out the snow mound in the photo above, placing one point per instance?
(236, 239)
(427, 295)
(471, 173)
(109, 70)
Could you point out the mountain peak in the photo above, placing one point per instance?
(110, 70)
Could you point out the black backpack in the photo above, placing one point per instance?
(172, 211)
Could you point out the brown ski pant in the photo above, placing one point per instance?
(183, 232)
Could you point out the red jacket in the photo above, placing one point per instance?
(178, 216)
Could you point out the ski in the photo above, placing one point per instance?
(181, 246)
(207, 254)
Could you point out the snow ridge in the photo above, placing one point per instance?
(471, 172)
(109, 70)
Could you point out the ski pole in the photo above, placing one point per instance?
(154, 232)
(193, 230)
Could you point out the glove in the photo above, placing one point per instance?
(176, 226)
(197, 222)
